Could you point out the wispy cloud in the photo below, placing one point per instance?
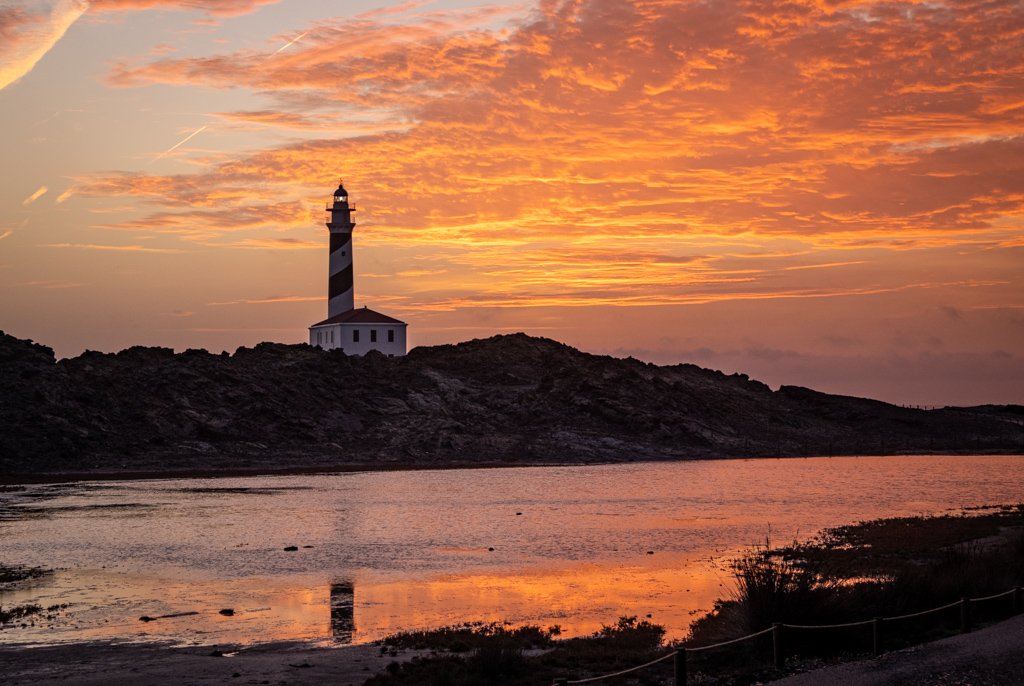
(271, 244)
(216, 8)
(28, 31)
(126, 248)
(305, 121)
(643, 297)
(273, 299)
(823, 266)
(51, 284)
(35, 196)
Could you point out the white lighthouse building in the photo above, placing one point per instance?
(356, 331)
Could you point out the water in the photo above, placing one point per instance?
(382, 552)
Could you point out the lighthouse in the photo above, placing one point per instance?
(356, 331)
(340, 291)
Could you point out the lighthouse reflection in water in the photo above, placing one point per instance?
(343, 619)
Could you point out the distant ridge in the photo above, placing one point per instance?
(510, 398)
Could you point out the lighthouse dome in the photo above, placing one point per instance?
(341, 195)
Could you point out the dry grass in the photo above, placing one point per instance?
(881, 568)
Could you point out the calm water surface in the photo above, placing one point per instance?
(382, 552)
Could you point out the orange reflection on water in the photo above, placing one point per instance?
(579, 599)
(103, 604)
(108, 605)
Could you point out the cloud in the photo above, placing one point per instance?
(28, 31)
(215, 8)
(51, 284)
(273, 299)
(560, 293)
(307, 121)
(35, 196)
(126, 248)
(207, 224)
(6, 233)
(610, 151)
(823, 266)
(272, 244)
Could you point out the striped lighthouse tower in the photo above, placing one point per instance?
(340, 292)
(354, 332)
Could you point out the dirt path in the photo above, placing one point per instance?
(993, 656)
(97, 664)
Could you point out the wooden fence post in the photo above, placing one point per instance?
(777, 647)
(679, 666)
(965, 615)
(1017, 600)
(878, 636)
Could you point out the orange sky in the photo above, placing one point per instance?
(820, 193)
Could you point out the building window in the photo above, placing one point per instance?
(373, 335)
(391, 335)
(342, 253)
(355, 335)
(332, 336)
(318, 338)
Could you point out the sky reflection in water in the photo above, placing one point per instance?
(392, 551)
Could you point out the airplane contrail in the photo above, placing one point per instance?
(189, 136)
(282, 48)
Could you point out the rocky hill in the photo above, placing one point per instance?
(504, 399)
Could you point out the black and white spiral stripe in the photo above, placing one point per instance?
(340, 292)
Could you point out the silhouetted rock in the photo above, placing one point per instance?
(510, 398)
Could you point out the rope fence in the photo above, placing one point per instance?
(625, 671)
(727, 643)
(926, 612)
(837, 626)
(779, 649)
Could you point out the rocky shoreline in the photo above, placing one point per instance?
(506, 400)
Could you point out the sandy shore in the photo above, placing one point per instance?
(104, 664)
